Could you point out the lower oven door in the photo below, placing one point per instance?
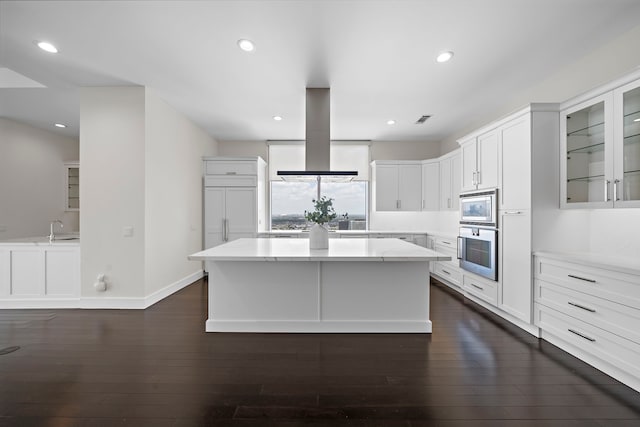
(478, 250)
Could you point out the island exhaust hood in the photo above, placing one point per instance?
(317, 142)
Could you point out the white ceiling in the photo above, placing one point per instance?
(378, 58)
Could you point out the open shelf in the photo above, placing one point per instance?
(588, 149)
(587, 131)
(586, 178)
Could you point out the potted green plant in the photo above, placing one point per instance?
(323, 213)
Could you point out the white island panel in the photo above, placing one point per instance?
(356, 285)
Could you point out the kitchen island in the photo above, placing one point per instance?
(356, 285)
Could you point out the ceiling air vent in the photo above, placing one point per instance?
(422, 119)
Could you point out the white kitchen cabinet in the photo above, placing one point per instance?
(233, 199)
(515, 295)
(39, 274)
(600, 145)
(591, 309)
(397, 186)
(514, 189)
(430, 185)
(480, 161)
(450, 181)
(72, 186)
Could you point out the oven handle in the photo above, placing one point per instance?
(459, 247)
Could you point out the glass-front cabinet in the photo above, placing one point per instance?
(72, 186)
(626, 191)
(600, 143)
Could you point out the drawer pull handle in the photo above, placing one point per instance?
(581, 335)
(231, 173)
(446, 272)
(446, 243)
(477, 287)
(591, 310)
(581, 278)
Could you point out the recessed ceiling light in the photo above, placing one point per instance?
(444, 56)
(60, 125)
(246, 45)
(277, 118)
(391, 122)
(47, 47)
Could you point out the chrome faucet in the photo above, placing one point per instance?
(52, 237)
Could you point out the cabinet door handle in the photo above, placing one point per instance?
(615, 190)
(459, 247)
(422, 203)
(473, 178)
(581, 278)
(582, 335)
(476, 286)
(606, 190)
(478, 180)
(449, 203)
(590, 310)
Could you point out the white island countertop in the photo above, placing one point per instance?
(298, 250)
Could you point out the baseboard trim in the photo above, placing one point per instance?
(316, 326)
(161, 294)
(40, 303)
(109, 303)
(141, 303)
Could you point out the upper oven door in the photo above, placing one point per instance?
(478, 208)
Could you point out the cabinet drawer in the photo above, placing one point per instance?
(611, 285)
(446, 272)
(230, 181)
(610, 316)
(485, 290)
(221, 167)
(617, 351)
(447, 242)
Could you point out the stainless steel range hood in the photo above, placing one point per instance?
(318, 143)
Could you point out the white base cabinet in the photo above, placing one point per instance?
(591, 311)
(37, 275)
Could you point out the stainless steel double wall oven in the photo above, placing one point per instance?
(478, 237)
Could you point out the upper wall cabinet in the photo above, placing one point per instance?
(450, 175)
(72, 186)
(600, 147)
(397, 186)
(430, 185)
(480, 162)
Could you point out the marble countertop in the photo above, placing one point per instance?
(298, 250)
(621, 263)
(61, 240)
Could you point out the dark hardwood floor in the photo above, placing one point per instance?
(159, 368)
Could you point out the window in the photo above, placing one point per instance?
(289, 200)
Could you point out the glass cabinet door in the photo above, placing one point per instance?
(72, 193)
(627, 180)
(587, 146)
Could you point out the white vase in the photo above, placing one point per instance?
(318, 237)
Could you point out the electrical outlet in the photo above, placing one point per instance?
(127, 231)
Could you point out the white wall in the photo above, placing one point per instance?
(112, 192)
(602, 65)
(32, 180)
(173, 193)
(616, 231)
(404, 150)
(243, 149)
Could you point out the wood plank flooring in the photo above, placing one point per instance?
(159, 368)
